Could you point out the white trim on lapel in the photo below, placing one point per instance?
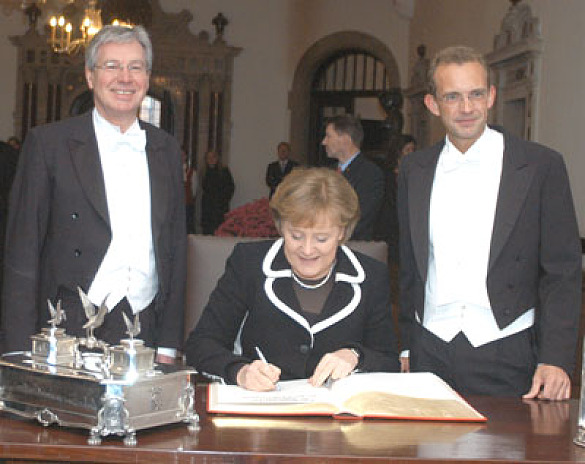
(353, 280)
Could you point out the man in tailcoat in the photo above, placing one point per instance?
(490, 255)
(97, 203)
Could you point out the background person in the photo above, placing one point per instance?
(190, 182)
(276, 170)
(14, 142)
(217, 191)
(342, 141)
(312, 306)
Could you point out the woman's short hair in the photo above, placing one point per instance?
(306, 194)
(118, 34)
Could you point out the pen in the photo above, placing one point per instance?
(263, 359)
(261, 356)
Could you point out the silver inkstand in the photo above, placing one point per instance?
(52, 344)
(86, 383)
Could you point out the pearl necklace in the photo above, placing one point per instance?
(314, 286)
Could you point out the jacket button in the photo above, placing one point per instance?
(74, 216)
(77, 252)
(304, 349)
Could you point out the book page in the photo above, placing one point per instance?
(380, 395)
(287, 392)
(414, 395)
(291, 397)
(415, 384)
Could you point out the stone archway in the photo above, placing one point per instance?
(317, 54)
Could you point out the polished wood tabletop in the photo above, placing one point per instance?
(516, 431)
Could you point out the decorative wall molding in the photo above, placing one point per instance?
(515, 66)
(419, 117)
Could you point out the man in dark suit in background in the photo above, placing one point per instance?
(490, 258)
(276, 170)
(343, 138)
(97, 202)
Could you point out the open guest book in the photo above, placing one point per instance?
(416, 396)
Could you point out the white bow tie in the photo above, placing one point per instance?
(133, 139)
(451, 160)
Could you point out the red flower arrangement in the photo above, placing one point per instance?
(249, 220)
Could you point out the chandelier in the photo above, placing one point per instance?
(65, 38)
(77, 21)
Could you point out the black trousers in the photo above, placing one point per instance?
(113, 328)
(501, 368)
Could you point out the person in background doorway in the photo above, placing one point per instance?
(342, 141)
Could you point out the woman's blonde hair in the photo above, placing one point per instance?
(306, 194)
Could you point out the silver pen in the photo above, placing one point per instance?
(261, 356)
(263, 359)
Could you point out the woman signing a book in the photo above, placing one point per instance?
(301, 306)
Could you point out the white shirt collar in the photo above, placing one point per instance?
(479, 152)
(111, 136)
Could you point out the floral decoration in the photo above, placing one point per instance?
(249, 220)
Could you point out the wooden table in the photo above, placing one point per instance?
(533, 432)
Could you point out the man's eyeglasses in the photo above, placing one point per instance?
(456, 98)
(113, 66)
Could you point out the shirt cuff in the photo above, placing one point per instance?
(170, 352)
(405, 354)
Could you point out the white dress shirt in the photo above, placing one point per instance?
(128, 268)
(462, 211)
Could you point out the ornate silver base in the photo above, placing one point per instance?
(76, 397)
(579, 437)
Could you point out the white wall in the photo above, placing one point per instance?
(562, 96)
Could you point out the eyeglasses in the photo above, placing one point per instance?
(113, 66)
(456, 98)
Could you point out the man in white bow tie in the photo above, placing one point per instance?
(97, 203)
(489, 249)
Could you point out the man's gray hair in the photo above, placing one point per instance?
(118, 34)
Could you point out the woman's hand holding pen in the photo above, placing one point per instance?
(258, 376)
(335, 366)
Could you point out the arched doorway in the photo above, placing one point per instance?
(337, 74)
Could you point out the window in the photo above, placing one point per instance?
(150, 110)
